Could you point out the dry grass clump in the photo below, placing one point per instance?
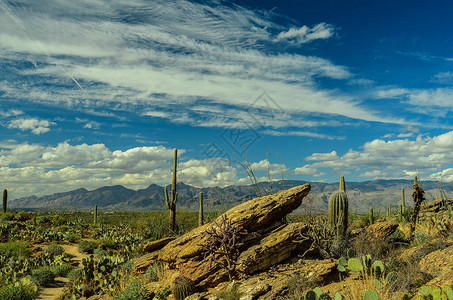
(378, 248)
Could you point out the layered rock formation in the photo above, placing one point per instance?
(272, 243)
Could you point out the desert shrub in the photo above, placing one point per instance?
(98, 252)
(397, 237)
(43, 276)
(109, 243)
(54, 249)
(87, 247)
(70, 237)
(134, 291)
(23, 216)
(14, 249)
(230, 293)
(8, 216)
(61, 270)
(42, 220)
(408, 278)
(420, 238)
(361, 221)
(152, 273)
(58, 220)
(299, 285)
(74, 274)
(64, 228)
(163, 294)
(17, 292)
(365, 244)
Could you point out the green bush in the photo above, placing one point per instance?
(64, 228)
(61, 270)
(14, 249)
(134, 291)
(100, 253)
(43, 276)
(74, 274)
(54, 249)
(70, 237)
(87, 247)
(42, 220)
(17, 292)
(22, 216)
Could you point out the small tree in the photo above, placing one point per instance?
(223, 243)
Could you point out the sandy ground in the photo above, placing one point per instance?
(55, 291)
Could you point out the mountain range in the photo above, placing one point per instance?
(362, 195)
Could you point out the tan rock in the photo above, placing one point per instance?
(272, 249)
(156, 245)
(252, 288)
(257, 215)
(442, 279)
(436, 205)
(438, 261)
(381, 230)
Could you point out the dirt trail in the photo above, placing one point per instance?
(55, 291)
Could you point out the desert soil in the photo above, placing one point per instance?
(55, 291)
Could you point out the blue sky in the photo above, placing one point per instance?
(100, 92)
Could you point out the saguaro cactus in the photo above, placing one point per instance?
(171, 201)
(95, 214)
(5, 200)
(403, 202)
(371, 216)
(200, 212)
(338, 210)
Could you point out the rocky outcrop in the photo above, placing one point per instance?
(436, 205)
(156, 245)
(381, 230)
(439, 264)
(272, 244)
(435, 262)
(277, 282)
(273, 248)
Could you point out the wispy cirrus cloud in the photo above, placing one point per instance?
(137, 53)
(306, 34)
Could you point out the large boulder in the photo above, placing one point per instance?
(439, 264)
(264, 216)
(381, 230)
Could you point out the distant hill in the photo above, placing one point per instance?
(362, 195)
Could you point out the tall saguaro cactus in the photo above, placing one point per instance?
(171, 201)
(200, 212)
(403, 202)
(338, 210)
(95, 214)
(5, 200)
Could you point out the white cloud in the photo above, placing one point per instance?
(443, 78)
(28, 169)
(391, 159)
(441, 97)
(11, 113)
(36, 126)
(301, 133)
(306, 34)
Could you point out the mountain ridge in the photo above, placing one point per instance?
(362, 195)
